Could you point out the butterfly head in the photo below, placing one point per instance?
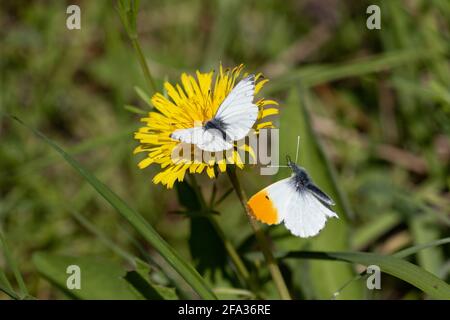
(294, 167)
(301, 176)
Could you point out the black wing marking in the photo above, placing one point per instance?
(319, 194)
(220, 126)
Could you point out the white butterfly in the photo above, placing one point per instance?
(296, 201)
(233, 120)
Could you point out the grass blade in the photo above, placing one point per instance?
(313, 75)
(418, 277)
(4, 282)
(424, 229)
(5, 286)
(103, 237)
(415, 249)
(374, 229)
(402, 254)
(99, 279)
(136, 220)
(12, 264)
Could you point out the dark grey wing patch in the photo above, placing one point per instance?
(319, 194)
(218, 125)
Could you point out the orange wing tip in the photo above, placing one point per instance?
(262, 208)
(255, 216)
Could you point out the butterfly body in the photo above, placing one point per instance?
(217, 124)
(303, 181)
(296, 201)
(301, 177)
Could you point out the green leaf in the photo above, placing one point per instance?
(147, 289)
(99, 279)
(187, 196)
(143, 275)
(396, 267)
(137, 221)
(205, 244)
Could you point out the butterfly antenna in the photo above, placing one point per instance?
(298, 149)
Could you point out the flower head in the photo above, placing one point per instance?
(194, 101)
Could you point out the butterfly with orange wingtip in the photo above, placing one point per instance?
(296, 201)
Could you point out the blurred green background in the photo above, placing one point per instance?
(378, 102)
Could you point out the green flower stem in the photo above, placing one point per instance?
(128, 15)
(235, 258)
(239, 264)
(261, 238)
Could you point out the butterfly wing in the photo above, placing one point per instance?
(212, 141)
(270, 204)
(305, 215)
(237, 111)
(189, 135)
(322, 196)
(207, 140)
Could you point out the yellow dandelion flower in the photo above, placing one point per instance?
(194, 101)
